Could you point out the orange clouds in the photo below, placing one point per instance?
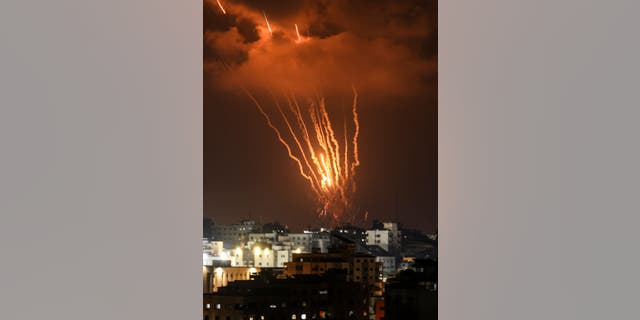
(385, 50)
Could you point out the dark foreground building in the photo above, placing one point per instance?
(413, 293)
(326, 296)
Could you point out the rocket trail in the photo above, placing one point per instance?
(314, 179)
(356, 162)
(298, 33)
(221, 8)
(267, 20)
(286, 145)
(329, 171)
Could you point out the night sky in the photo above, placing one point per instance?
(386, 49)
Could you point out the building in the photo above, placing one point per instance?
(394, 237)
(302, 297)
(234, 234)
(356, 234)
(301, 241)
(360, 267)
(314, 263)
(214, 278)
(262, 238)
(282, 253)
(381, 238)
(320, 240)
(387, 259)
(264, 257)
(237, 257)
(216, 247)
(413, 293)
(386, 235)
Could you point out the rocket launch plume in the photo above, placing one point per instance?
(298, 33)
(221, 7)
(329, 172)
(267, 20)
(268, 119)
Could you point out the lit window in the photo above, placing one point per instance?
(218, 306)
(208, 306)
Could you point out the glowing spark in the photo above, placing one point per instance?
(267, 20)
(221, 8)
(298, 33)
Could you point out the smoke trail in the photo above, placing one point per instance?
(266, 116)
(295, 138)
(356, 162)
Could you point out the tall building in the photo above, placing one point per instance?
(233, 234)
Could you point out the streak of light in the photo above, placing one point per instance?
(267, 20)
(298, 33)
(286, 145)
(221, 7)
